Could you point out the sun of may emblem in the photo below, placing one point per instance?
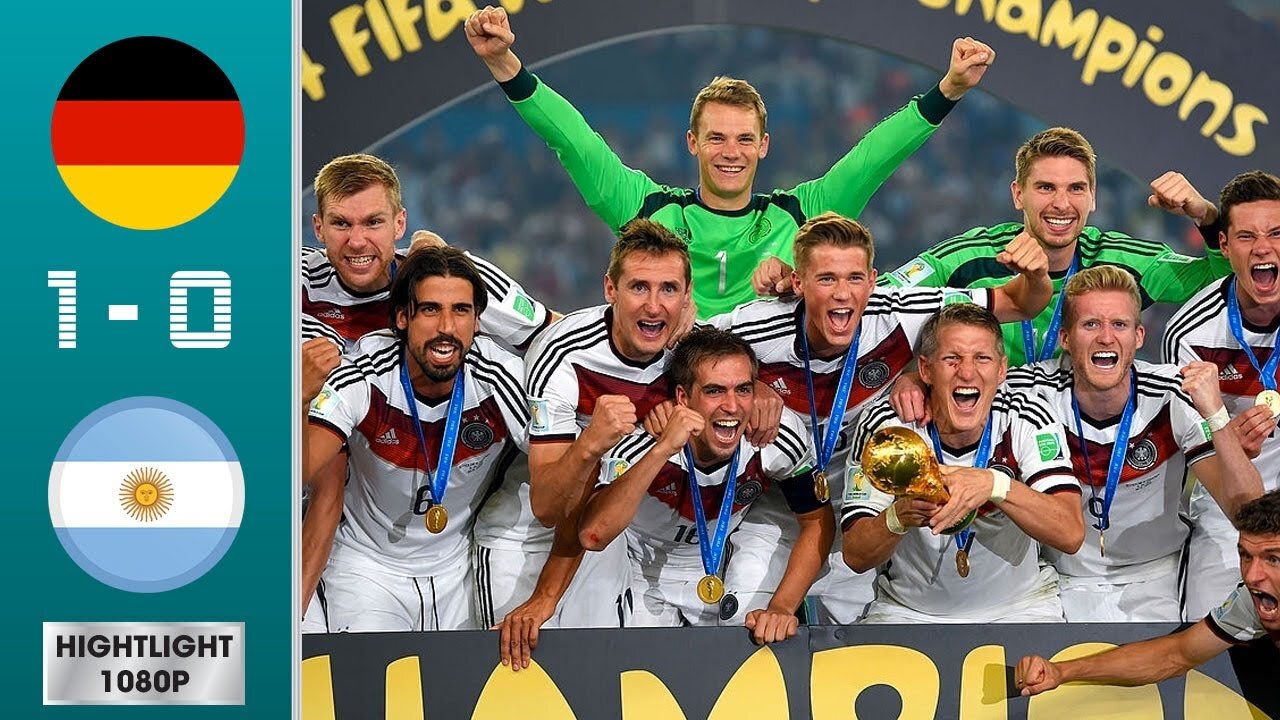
(146, 494)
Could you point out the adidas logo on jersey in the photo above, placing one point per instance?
(780, 387)
(388, 438)
(332, 314)
(1230, 373)
(669, 489)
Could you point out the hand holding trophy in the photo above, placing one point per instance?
(897, 461)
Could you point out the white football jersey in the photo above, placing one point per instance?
(1199, 331)
(662, 538)
(511, 317)
(1027, 443)
(573, 363)
(1166, 435)
(1236, 620)
(890, 326)
(364, 404)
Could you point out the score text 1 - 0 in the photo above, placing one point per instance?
(181, 283)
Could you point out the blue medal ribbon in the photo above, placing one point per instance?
(1100, 508)
(825, 445)
(981, 458)
(712, 549)
(440, 478)
(1055, 324)
(1267, 372)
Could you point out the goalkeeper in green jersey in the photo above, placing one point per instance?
(729, 229)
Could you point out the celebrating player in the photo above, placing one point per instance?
(832, 351)
(679, 496)
(1232, 324)
(1001, 454)
(1133, 428)
(1055, 187)
(1250, 613)
(427, 412)
(728, 228)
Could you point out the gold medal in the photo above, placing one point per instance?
(710, 589)
(437, 517)
(821, 488)
(962, 563)
(1271, 399)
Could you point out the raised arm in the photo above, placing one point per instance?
(1029, 292)
(562, 473)
(1229, 476)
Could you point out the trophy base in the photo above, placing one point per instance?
(966, 522)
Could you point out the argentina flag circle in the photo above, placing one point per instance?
(146, 494)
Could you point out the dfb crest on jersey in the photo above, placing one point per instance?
(748, 492)
(1142, 455)
(873, 374)
(1004, 469)
(476, 435)
(760, 231)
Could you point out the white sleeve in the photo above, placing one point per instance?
(512, 316)
(343, 401)
(553, 406)
(1041, 449)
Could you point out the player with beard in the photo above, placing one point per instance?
(809, 341)
(1232, 324)
(1002, 454)
(1055, 187)
(678, 496)
(1135, 429)
(728, 227)
(346, 286)
(430, 414)
(1249, 615)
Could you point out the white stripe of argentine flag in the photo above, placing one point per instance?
(200, 495)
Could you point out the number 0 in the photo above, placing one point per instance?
(179, 284)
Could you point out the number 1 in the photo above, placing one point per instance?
(723, 257)
(65, 281)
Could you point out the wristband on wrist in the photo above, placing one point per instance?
(892, 522)
(1000, 484)
(1218, 420)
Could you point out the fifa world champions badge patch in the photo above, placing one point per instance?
(538, 419)
(146, 494)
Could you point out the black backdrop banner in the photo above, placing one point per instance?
(910, 672)
(1154, 84)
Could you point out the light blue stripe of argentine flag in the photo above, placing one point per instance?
(146, 429)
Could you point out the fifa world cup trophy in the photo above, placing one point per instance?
(898, 462)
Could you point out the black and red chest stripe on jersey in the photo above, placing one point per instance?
(350, 321)
(592, 384)
(876, 369)
(1148, 449)
(392, 438)
(671, 488)
(1236, 375)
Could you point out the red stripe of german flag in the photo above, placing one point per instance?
(147, 133)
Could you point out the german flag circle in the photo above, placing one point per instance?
(148, 133)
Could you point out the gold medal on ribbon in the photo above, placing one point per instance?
(710, 589)
(962, 563)
(1271, 399)
(436, 519)
(821, 488)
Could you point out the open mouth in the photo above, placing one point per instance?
(726, 430)
(1264, 276)
(1268, 609)
(1105, 360)
(651, 329)
(731, 170)
(443, 352)
(361, 262)
(966, 398)
(841, 319)
(1059, 224)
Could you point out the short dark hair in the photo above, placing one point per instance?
(706, 343)
(832, 229)
(646, 236)
(1247, 187)
(962, 313)
(1260, 516)
(429, 262)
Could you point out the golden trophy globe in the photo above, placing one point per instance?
(898, 462)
